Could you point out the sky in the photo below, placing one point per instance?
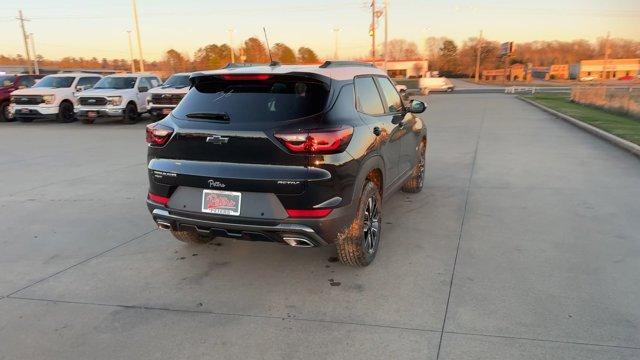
(98, 28)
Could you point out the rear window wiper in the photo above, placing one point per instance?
(209, 116)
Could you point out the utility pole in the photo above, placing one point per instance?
(35, 54)
(26, 41)
(133, 64)
(386, 31)
(135, 19)
(233, 56)
(373, 32)
(606, 57)
(478, 50)
(336, 34)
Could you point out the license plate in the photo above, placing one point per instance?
(92, 114)
(166, 111)
(221, 202)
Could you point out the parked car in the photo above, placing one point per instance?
(627, 77)
(299, 155)
(429, 84)
(165, 98)
(52, 97)
(117, 96)
(588, 78)
(9, 84)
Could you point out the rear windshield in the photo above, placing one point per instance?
(276, 98)
(55, 82)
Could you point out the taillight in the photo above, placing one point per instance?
(162, 200)
(308, 213)
(259, 77)
(158, 134)
(321, 141)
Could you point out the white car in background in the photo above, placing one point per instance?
(429, 84)
(117, 96)
(164, 99)
(52, 97)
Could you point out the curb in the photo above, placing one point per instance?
(619, 142)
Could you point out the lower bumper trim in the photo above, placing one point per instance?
(281, 229)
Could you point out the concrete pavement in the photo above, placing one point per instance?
(524, 244)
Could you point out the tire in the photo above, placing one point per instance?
(65, 113)
(359, 246)
(190, 237)
(416, 181)
(4, 112)
(131, 115)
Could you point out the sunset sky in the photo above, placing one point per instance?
(98, 28)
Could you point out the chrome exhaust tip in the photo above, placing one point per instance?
(297, 241)
(163, 225)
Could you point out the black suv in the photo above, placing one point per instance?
(300, 155)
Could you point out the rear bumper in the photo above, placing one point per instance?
(318, 232)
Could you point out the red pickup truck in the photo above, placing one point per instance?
(10, 83)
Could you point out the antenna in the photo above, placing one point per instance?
(267, 40)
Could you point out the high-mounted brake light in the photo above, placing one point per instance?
(308, 213)
(259, 77)
(321, 141)
(158, 134)
(162, 200)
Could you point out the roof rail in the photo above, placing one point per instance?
(333, 63)
(243, 65)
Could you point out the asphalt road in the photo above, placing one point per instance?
(524, 244)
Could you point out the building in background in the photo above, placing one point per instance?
(404, 69)
(515, 72)
(614, 68)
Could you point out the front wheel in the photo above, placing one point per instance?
(130, 114)
(4, 112)
(359, 245)
(65, 113)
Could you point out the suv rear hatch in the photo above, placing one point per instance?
(224, 134)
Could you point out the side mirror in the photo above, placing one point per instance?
(143, 89)
(417, 107)
(81, 88)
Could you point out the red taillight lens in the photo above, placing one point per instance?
(158, 134)
(308, 213)
(162, 200)
(259, 77)
(323, 141)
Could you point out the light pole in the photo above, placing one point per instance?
(26, 40)
(135, 20)
(478, 50)
(35, 56)
(133, 65)
(336, 34)
(233, 56)
(386, 31)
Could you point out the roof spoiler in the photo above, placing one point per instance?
(333, 63)
(244, 65)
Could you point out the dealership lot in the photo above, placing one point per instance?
(524, 244)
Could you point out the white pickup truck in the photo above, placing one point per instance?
(165, 98)
(52, 97)
(117, 96)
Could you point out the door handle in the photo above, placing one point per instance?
(377, 131)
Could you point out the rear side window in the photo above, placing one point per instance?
(155, 82)
(394, 103)
(260, 98)
(367, 97)
(26, 81)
